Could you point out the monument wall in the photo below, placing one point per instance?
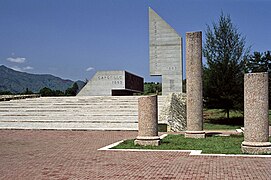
(108, 83)
(165, 48)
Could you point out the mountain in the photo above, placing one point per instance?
(17, 82)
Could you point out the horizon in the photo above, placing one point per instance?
(72, 40)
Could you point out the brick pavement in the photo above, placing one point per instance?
(27, 154)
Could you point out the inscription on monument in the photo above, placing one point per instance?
(118, 83)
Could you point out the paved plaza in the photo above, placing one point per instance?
(34, 154)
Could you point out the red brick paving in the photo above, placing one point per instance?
(26, 154)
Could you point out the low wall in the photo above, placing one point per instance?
(12, 97)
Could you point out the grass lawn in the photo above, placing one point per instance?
(215, 119)
(209, 145)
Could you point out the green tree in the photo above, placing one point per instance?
(6, 93)
(224, 50)
(46, 92)
(152, 88)
(258, 62)
(73, 90)
(27, 91)
(59, 93)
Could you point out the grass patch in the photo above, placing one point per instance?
(212, 126)
(209, 145)
(215, 119)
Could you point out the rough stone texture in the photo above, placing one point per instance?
(107, 83)
(256, 123)
(27, 154)
(173, 112)
(165, 54)
(147, 121)
(194, 82)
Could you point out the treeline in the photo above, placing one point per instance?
(152, 88)
(72, 91)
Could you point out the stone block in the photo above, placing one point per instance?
(113, 83)
(194, 134)
(155, 142)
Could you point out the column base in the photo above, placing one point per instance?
(147, 141)
(194, 134)
(256, 147)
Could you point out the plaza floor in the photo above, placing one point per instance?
(32, 154)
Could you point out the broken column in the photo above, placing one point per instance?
(147, 121)
(194, 85)
(256, 114)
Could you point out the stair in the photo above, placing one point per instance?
(74, 113)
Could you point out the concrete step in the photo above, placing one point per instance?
(69, 125)
(72, 117)
(85, 113)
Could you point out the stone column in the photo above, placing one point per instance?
(256, 114)
(194, 85)
(147, 121)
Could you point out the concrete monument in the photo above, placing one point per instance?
(256, 131)
(165, 46)
(194, 85)
(147, 121)
(113, 83)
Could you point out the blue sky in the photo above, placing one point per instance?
(73, 39)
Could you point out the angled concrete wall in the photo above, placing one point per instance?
(165, 48)
(107, 83)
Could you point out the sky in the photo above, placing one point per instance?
(73, 39)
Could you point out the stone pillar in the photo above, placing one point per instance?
(147, 121)
(194, 85)
(256, 114)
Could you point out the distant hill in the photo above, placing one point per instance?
(17, 82)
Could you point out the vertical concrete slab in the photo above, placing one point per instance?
(165, 46)
(256, 133)
(194, 85)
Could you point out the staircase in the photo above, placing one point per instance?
(74, 113)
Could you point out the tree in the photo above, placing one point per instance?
(224, 50)
(72, 91)
(6, 93)
(260, 62)
(152, 88)
(27, 91)
(46, 92)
